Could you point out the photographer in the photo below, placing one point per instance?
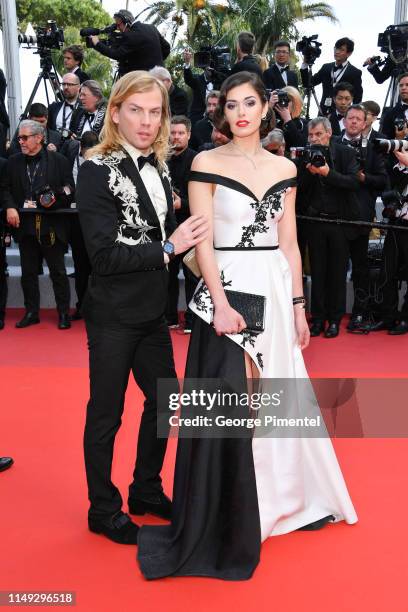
(177, 96)
(274, 142)
(395, 119)
(39, 179)
(288, 105)
(52, 139)
(394, 264)
(373, 179)
(373, 111)
(202, 130)
(91, 115)
(393, 42)
(327, 191)
(245, 59)
(61, 114)
(279, 74)
(73, 58)
(200, 84)
(343, 95)
(140, 47)
(334, 72)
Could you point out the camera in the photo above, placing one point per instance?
(113, 40)
(283, 98)
(45, 197)
(316, 155)
(400, 123)
(48, 37)
(310, 48)
(65, 133)
(393, 202)
(394, 39)
(389, 146)
(360, 148)
(216, 58)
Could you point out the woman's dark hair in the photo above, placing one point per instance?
(236, 80)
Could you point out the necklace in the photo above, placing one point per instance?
(248, 157)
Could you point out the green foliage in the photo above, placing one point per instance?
(79, 13)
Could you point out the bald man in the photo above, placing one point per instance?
(60, 113)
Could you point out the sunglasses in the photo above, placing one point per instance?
(24, 138)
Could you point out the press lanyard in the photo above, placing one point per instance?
(65, 119)
(337, 78)
(32, 176)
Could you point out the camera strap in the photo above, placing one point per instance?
(66, 120)
(32, 176)
(337, 78)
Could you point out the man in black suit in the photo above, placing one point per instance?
(279, 74)
(73, 58)
(179, 166)
(200, 84)
(334, 72)
(343, 94)
(373, 111)
(373, 179)
(202, 130)
(52, 139)
(3, 277)
(125, 205)
(399, 112)
(245, 60)
(390, 68)
(141, 46)
(328, 192)
(39, 179)
(177, 96)
(60, 114)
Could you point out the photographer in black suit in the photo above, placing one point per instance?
(125, 205)
(52, 139)
(279, 74)
(245, 60)
(39, 179)
(334, 72)
(141, 46)
(395, 122)
(373, 179)
(200, 84)
(61, 114)
(288, 116)
(328, 192)
(73, 58)
(343, 94)
(373, 112)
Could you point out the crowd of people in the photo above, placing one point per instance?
(44, 155)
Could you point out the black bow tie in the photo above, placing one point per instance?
(150, 159)
(285, 69)
(337, 68)
(339, 116)
(404, 106)
(90, 116)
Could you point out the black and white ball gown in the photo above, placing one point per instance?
(231, 494)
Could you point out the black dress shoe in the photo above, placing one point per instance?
(159, 505)
(30, 318)
(317, 328)
(5, 463)
(118, 528)
(318, 524)
(357, 325)
(1, 323)
(76, 316)
(398, 330)
(63, 321)
(380, 326)
(332, 331)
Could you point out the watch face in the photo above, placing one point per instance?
(168, 248)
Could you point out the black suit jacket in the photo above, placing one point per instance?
(123, 239)
(198, 84)
(249, 64)
(273, 79)
(201, 133)
(142, 47)
(82, 76)
(53, 110)
(334, 121)
(338, 189)
(178, 101)
(58, 174)
(351, 75)
(388, 127)
(375, 182)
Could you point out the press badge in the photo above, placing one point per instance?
(328, 102)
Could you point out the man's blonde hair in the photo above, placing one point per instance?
(131, 83)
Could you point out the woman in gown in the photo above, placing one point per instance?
(230, 494)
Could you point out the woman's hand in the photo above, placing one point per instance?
(228, 321)
(302, 328)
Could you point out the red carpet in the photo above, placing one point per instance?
(45, 544)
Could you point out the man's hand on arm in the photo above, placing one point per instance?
(189, 233)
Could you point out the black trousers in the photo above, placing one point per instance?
(31, 252)
(394, 266)
(328, 251)
(82, 264)
(190, 283)
(360, 274)
(114, 351)
(3, 282)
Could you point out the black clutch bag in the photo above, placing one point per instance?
(251, 307)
